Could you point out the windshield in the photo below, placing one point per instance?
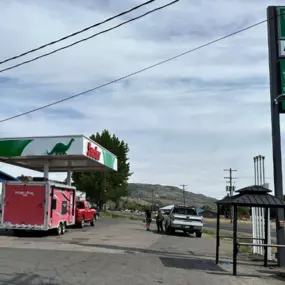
(79, 205)
(184, 211)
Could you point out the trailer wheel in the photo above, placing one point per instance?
(18, 233)
(63, 228)
(59, 229)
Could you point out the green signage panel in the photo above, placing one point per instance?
(282, 82)
(282, 75)
(281, 26)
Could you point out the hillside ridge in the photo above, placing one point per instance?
(166, 194)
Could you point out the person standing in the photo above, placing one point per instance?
(147, 218)
(159, 221)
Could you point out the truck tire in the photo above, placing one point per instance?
(81, 224)
(169, 230)
(92, 222)
(198, 234)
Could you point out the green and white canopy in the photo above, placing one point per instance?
(60, 153)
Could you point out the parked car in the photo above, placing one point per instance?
(184, 218)
(84, 214)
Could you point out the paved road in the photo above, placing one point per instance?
(119, 252)
(242, 228)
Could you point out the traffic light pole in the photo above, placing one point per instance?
(275, 92)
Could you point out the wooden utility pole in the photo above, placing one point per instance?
(183, 187)
(231, 187)
(231, 178)
(152, 198)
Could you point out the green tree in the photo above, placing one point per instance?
(207, 208)
(103, 186)
(243, 211)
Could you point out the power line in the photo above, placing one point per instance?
(132, 73)
(88, 38)
(78, 32)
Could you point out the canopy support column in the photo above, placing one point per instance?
(68, 179)
(266, 238)
(46, 170)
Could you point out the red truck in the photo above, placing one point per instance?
(84, 214)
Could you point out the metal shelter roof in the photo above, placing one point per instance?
(255, 196)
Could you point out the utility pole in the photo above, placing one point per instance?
(231, 187)
(276, 36)
(183, 187)
(152, 198)
(231, 178)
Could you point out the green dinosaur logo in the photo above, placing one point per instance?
(60, 148)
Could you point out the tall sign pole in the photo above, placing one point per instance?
(276, 38)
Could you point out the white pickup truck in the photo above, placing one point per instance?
(185, 219)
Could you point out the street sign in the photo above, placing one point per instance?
(281, 22)
(282, 48)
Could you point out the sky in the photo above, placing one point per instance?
(185, 121)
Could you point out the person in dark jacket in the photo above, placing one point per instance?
(159, 221)
(147, 218)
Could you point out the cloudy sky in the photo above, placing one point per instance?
(185, 121)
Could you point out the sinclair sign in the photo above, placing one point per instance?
(93, 152)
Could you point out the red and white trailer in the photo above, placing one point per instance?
(38, 206)
(46, 205)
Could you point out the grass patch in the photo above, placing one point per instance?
(117, 216)
(225, 221)
(211, 234)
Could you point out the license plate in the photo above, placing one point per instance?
(185, 227)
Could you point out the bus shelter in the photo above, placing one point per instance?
(57, 154)
(252, 196)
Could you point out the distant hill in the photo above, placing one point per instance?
(166, 195)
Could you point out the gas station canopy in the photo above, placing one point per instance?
(57, 153)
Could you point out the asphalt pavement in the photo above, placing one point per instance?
(242, 228)
(120, 252)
